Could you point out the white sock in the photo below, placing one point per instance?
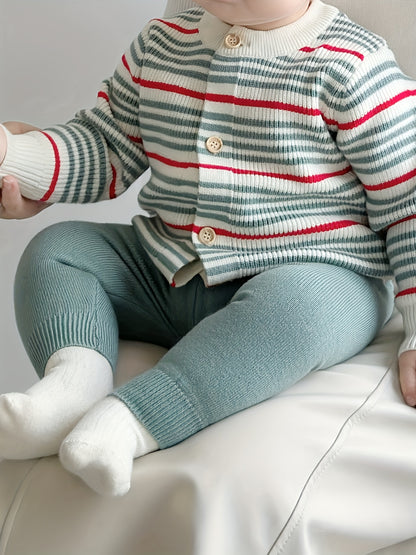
(33, 424)
(102, 446)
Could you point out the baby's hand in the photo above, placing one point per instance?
(15, 207)
(407, 367)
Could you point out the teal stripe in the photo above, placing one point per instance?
(149, 202)
(394, 212)
(402, 276)
(401, 254)
(271, 216)
(267, 157)
(171, 185)
(342, 28)
(76, 182)
(137, 51)
(71, 185)
(265, 195)
(398, 126)
(160, 249)
(369, 85)
(186, 46)
(246, 265)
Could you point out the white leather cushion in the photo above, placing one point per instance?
(327, 468)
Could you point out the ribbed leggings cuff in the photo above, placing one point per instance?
(67, 330)
(160, 404)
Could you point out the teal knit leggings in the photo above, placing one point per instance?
(230, 346)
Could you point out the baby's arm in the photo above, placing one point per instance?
(95, 156)
(375, 121)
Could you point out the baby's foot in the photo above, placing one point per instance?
(33, 424)
(101, 448)
(26, 428)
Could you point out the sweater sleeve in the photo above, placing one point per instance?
(375, 124)
(95, 156)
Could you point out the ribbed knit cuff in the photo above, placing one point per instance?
(161, 406)
(408, 311)
(69, 330)
(31, 160)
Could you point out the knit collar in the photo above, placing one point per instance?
(268, 44)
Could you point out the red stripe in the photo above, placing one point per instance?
(55, 176)
(411, 291)
(297, 178)
(112, 190)
(126, 65)
(169, 162)
(307, 231)
(228, 99)
(377, 110)
(135, 139)
(177, 27)
(270, 104)
(403, 220)
(333, 49)
(157, 85)
(401, 179)
(104, 95)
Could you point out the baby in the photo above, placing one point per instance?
(280, 138)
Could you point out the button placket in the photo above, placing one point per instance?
(207, 237)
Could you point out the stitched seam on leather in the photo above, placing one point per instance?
(325, 462)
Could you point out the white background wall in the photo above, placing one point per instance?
(53, 56)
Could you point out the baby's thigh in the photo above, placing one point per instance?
(100, 250)
(85, 264)
(328, 312)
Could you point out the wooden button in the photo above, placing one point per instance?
(232, 41)
(207, 236)
(214, 144)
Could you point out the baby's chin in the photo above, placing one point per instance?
(229, 12)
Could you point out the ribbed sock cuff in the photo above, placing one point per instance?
(162, 407)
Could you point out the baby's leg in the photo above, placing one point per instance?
(76, 287)
(278, 327)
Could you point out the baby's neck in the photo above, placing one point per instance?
(270, 25)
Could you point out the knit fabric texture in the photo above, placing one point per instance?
(265, 147)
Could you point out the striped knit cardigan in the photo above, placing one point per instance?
(265, 147)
